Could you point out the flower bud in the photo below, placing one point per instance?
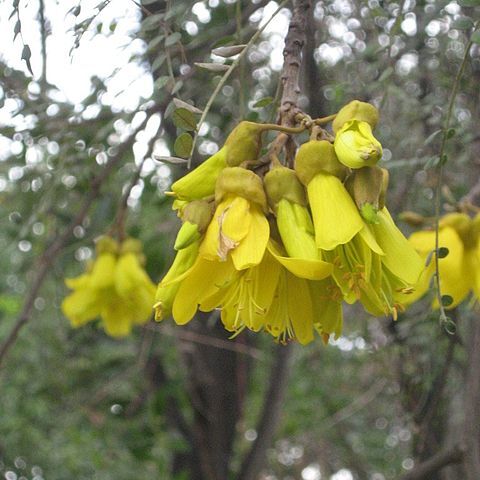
(365, 186)
(282, 183)
(355, 145)
(317, 156)
(195, 216)
(243, 144)
(356, 110)
(243, 183)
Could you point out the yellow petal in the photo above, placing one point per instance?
(103, 272)
(308, 269)
(116, 321)
(202, 281)
(300, 308)
(400, 257)
(335, 216)
(296, 230)
(251, 249)
(81, 306)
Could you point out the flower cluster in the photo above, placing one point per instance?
(280, 251)
(458, 259)
(115, 287)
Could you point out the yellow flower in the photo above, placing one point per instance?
(239, 226)
(335, 216)
(459, 270)
(116, 288)
(355, 145)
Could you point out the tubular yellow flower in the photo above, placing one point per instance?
(116, 288)
(239, 226)
(459, 270)
(355, 145)
(335, 216)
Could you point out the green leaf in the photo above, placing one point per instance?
(432, 137)
(229, 51)
(184, 119)
(476, 37)
(263, 102)
(183, 145)
(213, 67)
(447, 300)
(26, 55)
(443, 252)
(152, 21)
(178, 85)
(158, 62)
(155, 42)
(161, 82)
(224, 41)
(387, 73)
(172, 160)
(17, 29)
(463, 23)
(173, 39)
(181, 104)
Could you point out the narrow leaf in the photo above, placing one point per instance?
(173, 39)
(185, 119)
(263, 102)
(230, 51)
(181, 104)
(213, 67)
(183, 145)
(172, 160)
(432, 137)
(26, 55)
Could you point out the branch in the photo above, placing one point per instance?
(272, 405)
(472, 406)
(292, 54)
(50, 253)
(437, 462)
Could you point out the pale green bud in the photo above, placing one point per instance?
(355, 145)
(356, 110)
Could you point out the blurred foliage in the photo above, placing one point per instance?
(77, 404)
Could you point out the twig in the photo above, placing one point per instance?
(194, 337)
(272, 403)
(441, 163)
(443, 458)
(358, 404)
(50, 253)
